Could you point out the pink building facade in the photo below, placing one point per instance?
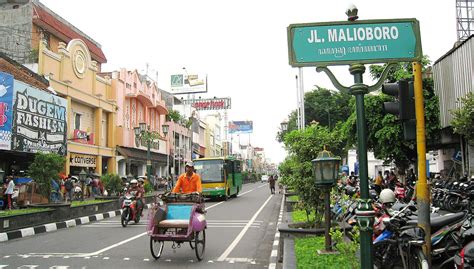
(139, 101)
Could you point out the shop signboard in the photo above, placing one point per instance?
(210, 104)
(39, 121)
(188, 83)
(6, 110)
(83, 137)
(240, 127)
(81, 160)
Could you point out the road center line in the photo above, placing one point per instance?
(242, 233)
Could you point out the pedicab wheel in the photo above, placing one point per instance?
(156, 248)
(124, 217)
(199, 244)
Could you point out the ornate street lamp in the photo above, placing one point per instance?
(143, 133)
(166, 128)
(284, 126)
(325, 172)
(82, 179)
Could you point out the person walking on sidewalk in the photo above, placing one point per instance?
(9, 192)
(271, 181)
(69, 186)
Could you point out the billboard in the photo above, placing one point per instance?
(39, 121)
(240, 127)
(188, 83)
(210, 104)
(6, 110)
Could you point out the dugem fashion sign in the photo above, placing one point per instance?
(39, 120)
(338, 43)
(6, 110)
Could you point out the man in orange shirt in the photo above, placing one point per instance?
(188, 182)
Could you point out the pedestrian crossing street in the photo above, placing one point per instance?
(143, 223)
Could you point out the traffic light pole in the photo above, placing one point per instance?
(422, 188)
(365, 213)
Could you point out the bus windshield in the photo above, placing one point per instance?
(210, 170)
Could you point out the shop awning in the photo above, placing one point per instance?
(139, 154)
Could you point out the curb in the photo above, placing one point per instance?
(276, 242)
(51, 227)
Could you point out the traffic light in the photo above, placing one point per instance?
(403, 107)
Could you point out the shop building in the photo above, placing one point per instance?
(52, 47)
(139, 101)
(32, 119)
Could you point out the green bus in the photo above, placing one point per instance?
(221, 177)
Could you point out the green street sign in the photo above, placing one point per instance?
(346, 42)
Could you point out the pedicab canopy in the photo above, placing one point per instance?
(325, 168)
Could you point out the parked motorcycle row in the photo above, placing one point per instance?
(397, 241)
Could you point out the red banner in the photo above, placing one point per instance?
(82, 137)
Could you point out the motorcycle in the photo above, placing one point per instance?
(129, 210)
(465, 258)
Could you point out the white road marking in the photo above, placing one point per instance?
(29, 266)
(241, 234)
(3, 265)
(106, 258)
(59, 267)
(6, 257)
(146, 260)
(113, 246)
(126, 259)
(274, 253)
(241, 260)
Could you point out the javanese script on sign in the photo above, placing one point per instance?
(319, 44)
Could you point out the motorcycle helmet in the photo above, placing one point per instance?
(133, 181)
(387, 196)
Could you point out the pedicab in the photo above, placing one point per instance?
(180, 218)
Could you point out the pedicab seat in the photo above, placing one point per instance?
(174, 223)
(178, 216)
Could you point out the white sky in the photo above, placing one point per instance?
(241, 45)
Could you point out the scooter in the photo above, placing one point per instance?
(129, 210)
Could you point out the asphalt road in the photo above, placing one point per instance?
(233, 240)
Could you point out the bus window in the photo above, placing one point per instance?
(237, 167)
(210, 171)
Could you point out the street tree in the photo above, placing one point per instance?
(323, 106)
(296, 170)
(384, 131)
(463, 118)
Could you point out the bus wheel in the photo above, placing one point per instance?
(236, 193)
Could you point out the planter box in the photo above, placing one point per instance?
(15, 222)
(57, 213)
(290, 205)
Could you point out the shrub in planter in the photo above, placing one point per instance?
(46, 167)
(112, 183)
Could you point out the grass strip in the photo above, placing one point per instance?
(307, 256)
(14, 212)
(88, 202)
